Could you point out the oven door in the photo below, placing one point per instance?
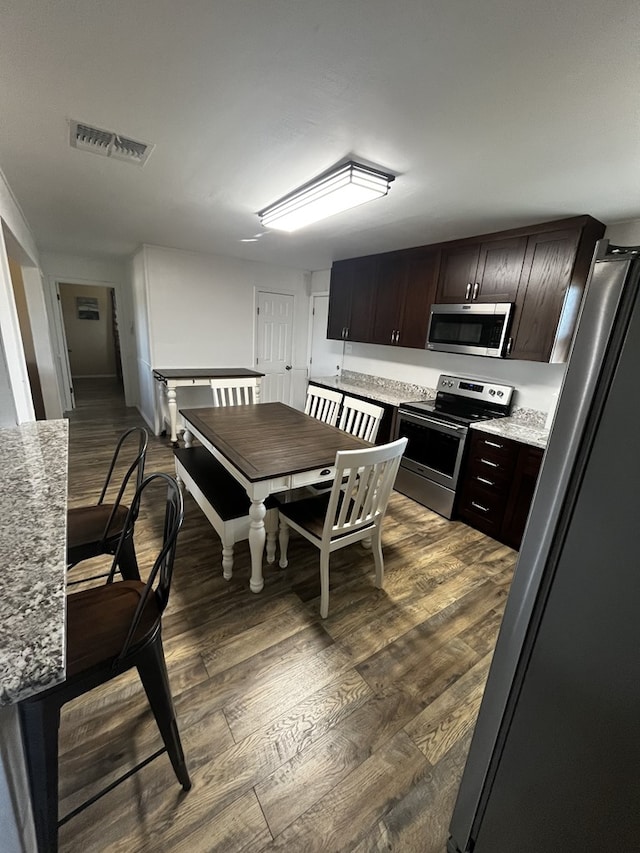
(435, 448)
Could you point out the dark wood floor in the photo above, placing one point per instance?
(348, 734)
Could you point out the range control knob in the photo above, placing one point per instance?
(492, 392)
(500, 393)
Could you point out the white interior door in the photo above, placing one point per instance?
(326, 355)
(274, 332)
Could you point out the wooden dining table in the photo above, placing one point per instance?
(268, 448)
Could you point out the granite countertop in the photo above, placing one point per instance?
(527, 430)
(33, 508)
(383, 390)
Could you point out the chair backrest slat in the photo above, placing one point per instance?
(362, 487)
(323, 404)
(360, 418)
(237, 391)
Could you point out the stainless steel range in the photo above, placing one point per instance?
(437, 432)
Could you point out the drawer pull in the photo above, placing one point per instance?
(479, 506)
(494, 444)
(489, 463)
(485, 481)
(325, 472)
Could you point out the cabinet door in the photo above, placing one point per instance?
(457, 273)
(340, 290)
(520, 495)
(499, 269)
(360, 325)
(546, 275)
(419, 294)
(389, 297)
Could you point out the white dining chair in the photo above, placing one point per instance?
(323, 404)
(360, 418)
(238, 391)
(353, 511)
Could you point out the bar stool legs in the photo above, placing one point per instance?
(152, 670)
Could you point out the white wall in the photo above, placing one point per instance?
(624, 233)
(142, 324)
(202, 311)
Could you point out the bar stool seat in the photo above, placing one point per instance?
(86, 524)
(98, 620)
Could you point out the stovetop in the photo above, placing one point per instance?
(463, 401)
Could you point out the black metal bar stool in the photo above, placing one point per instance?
(95, 529)
(110, 628)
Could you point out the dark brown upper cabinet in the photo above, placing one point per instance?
(404, 294)
(481, 272)
(554, 275)
(351, 300)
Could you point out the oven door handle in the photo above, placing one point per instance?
(421, 419)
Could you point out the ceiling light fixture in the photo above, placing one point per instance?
(338, 189)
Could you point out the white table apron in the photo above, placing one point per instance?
(258, 492)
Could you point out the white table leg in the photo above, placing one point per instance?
(157, 413)
(173, 413)
(271, 527)
(257, 537)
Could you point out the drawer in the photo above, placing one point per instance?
(493, 447)
(483, 502)
(497, 472)
(482, 511)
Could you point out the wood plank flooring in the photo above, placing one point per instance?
(348, 734)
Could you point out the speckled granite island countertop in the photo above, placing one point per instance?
(525, 426)
(33, 508)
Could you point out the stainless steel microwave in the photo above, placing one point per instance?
(474, 328)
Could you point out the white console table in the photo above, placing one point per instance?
(167, 381)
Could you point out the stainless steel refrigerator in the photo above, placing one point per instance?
(554, 763)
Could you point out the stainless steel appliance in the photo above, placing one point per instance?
(555, 757)
(473, 328)
(437, 432)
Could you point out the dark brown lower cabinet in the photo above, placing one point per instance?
(498, 484)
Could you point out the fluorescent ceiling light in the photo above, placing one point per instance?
(339, 189)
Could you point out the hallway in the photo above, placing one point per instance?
(300, 735)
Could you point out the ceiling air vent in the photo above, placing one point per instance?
(108, 144)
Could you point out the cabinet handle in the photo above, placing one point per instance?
(397, 335)
(467, 292)
(346, 331)
(509, 345)
(393, 335)
(493, 444)
(476, 288)
(480, 507)
(490, 464)
(485, 481)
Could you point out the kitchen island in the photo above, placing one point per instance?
(33, 503)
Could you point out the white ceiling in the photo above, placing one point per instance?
(492, 114)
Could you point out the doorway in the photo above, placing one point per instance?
(91, 338)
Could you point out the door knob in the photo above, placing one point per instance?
(287, 367)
